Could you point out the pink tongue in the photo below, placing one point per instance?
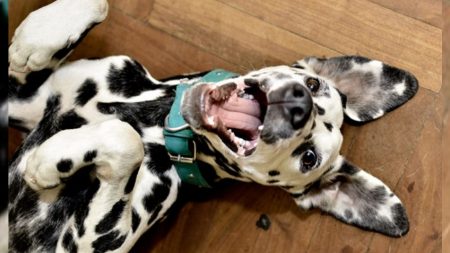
(240, 113)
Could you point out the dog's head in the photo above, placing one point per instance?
(281, 126)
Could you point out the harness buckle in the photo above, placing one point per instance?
(183, 159)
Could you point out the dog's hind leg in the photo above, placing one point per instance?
(132, 193)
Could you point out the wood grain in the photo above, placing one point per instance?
(429, 11)
(445, 98)
(359, 27)
(402, 149)
(219, 29)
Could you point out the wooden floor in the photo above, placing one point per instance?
(403, 149)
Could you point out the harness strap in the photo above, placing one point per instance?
(179, 137)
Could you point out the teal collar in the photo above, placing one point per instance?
(179, 137)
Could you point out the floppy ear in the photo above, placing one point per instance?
(357, 198)
(369, 88)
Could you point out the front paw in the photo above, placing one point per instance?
(41, 173)
(47, 34)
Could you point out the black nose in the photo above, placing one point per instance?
(297, 104)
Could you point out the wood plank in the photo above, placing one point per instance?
(428, 11)
(356, 27)
(446, 131)
(138, 9)
(161, 54)
(225, 221)
(421, 188)
(231, 34)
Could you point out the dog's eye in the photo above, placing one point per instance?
(309, 160)
(313, 84)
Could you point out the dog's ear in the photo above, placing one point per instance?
(357, 198)
(368, 88)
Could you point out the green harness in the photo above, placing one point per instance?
(179, 137)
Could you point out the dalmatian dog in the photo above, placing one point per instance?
(93, 173)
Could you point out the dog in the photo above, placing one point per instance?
(94, 172)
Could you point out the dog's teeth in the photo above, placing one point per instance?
(260, 128)
(242, 94)
(240, 142)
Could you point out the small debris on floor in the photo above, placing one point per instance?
(263, 222)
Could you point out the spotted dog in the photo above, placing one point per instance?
(93, 173)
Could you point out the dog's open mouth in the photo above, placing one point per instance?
(235, 112)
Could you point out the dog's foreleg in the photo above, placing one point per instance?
(49, 34)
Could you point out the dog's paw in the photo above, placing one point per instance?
(41, 172)
(51, 31)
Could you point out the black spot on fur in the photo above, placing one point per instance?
(135, 220)
(205, 147)
(251, 82)
(392, 75)
(281, 75)
(90, 156)
(154, 214)
(82, 211)
(358, 59)
(329, 126)
(159, 161)
(159, 193)
(141, 114)
(378, 195)
(131, 181)
(273, 173)
(86, 92)
(296, 195)
(68, 243)
(71, 120)
(20, 242)
(298, 66)
(348, 168)
(308, 137)
(131, 80)
(348, 214)
(64, 165)
(231, 168)
(108, 242)
(63, 52)
(320, 110)
(33, 81)
(343, 99)
(111, 218)
(400, 218)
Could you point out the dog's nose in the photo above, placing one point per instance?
(297, 103)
